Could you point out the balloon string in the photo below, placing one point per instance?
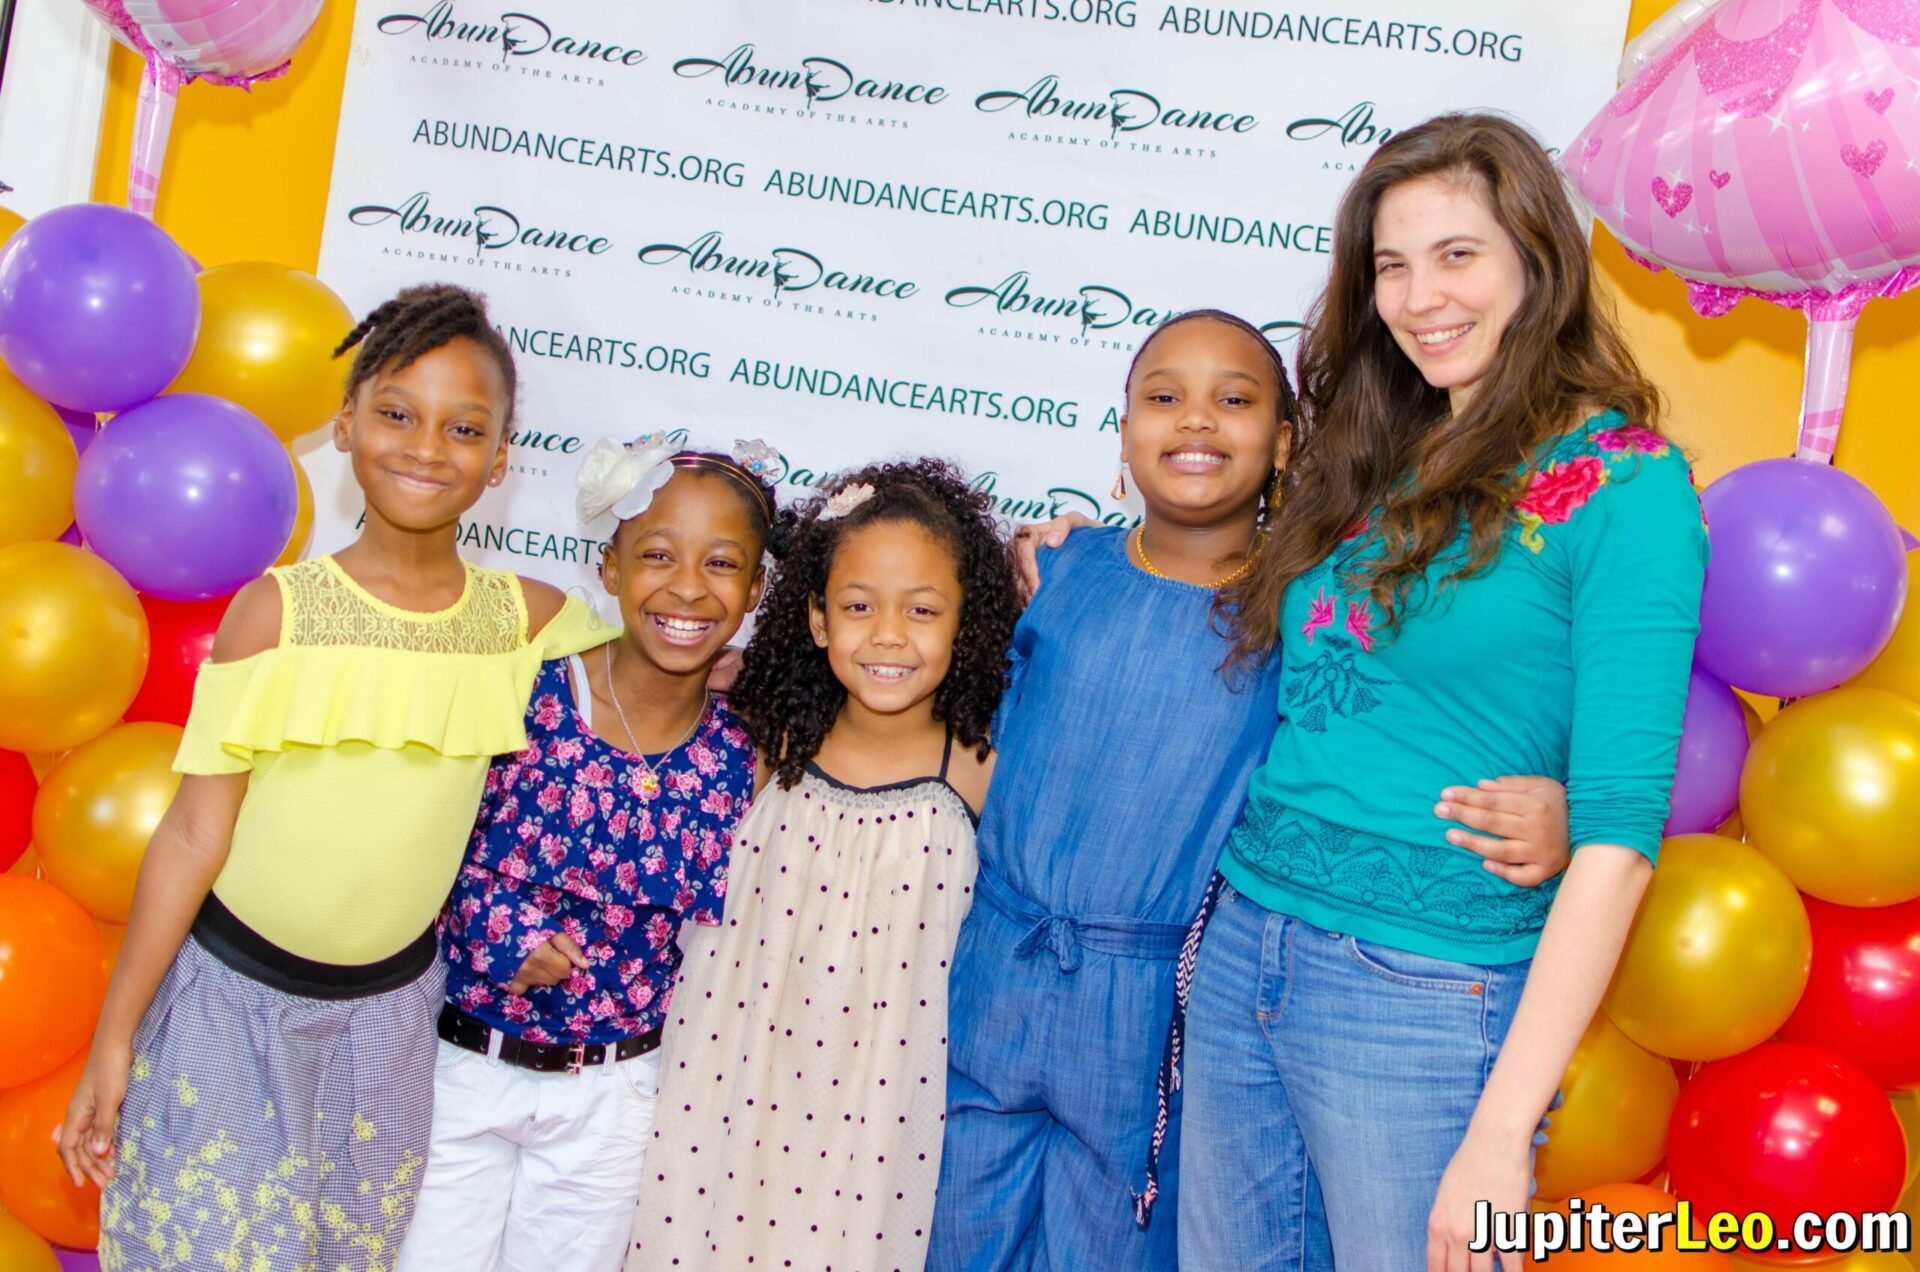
(152, 122)
(1824, 396)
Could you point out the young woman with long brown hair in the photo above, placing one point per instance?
(1487, 558)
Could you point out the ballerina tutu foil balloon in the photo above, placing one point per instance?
(1770, 148)
(230, 42)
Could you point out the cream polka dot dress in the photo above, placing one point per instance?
(803, 1076)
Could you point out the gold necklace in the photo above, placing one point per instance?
(1140, 547)
(649, 780)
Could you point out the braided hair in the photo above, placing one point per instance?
(416, 322)
(787, 693)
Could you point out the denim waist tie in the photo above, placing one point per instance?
(1065, 936)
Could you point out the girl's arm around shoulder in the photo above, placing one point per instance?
(969, 775)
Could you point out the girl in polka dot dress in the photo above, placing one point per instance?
(803, 1077)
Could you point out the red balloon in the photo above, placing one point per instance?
(17, 789)
(181, 635)
(1785, 1128)
(1863, 998)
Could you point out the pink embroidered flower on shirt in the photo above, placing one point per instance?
(1555, 493)
(1360, 624)
(1559, 490)
(1319, 614)
(1631, 437)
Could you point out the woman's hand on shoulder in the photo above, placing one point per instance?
(1029, 539)
(251, 623)
(544, 601)
(1523, 825)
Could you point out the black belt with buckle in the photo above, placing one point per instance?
(465, 1031)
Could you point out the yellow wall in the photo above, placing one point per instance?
(246, 179)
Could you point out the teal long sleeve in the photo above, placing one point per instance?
(1568, 656)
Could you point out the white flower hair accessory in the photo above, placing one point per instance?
(756, 457)
(845, 500)
(616, 483)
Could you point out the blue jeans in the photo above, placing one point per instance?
(1311, 1048)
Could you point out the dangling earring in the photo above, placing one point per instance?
(1119, 490)
(1273, 500)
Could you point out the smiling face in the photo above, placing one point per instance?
(686, 572)
(1203, 433)
(429, 438)
(888, 618)
(1447, 279)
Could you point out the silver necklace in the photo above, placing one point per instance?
(649, 779)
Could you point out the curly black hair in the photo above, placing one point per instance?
(786, 691)
(416, 322)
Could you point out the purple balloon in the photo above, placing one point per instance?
(98, 309)
(1806, 580)
(1713, 746)
(72, 535)
(77, 1260)
(82, 426)
(188, 496)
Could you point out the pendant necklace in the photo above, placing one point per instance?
(649, 779)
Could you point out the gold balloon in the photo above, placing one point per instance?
(1611, 1125)
(37, 459)
(267, 335)
(1897, 669)
(21, 1248)
(1831, 793)
(73, 646)
(1880, 1261)
(97, 810)
(302, 516)
(9, 222)
(1910, 1207)
(1718, 955)
(1907, 1105)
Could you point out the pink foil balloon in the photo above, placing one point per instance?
(1770, 148)
(230, 42)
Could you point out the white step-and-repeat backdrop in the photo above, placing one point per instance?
(872, 228)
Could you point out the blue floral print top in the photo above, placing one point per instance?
(577, 836)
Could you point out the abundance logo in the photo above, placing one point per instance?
(1094, 306)
(820, 79)
(487, 227)
(1354, 126)
(513, 34)
(1122, 110)
(787, 269)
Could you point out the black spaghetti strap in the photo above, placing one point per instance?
(946, 754)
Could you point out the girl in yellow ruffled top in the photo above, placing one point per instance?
(260, 1088)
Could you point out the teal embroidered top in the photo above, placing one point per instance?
(1567, 656)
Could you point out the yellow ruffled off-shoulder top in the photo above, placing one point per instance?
(367, 733)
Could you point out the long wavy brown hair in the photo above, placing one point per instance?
(1376, 434)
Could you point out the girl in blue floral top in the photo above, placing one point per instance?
(594, 844)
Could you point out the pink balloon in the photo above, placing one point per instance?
(1771, 148)
(230, 42)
